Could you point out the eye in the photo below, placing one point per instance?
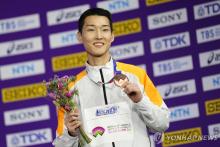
(90, 30)
(105, 30)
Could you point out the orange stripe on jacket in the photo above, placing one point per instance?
(149, 87)
(61, 111)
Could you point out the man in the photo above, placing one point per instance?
(113, 113)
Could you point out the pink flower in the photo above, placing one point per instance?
(68, 94)
(60, 85)
(52, 95)
(67, 108)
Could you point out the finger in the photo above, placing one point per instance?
(124, 85)
(74, 126)
(73, 114)
(73, 129)
(76, 110)
(127, 87)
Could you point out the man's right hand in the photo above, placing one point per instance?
(72, 122)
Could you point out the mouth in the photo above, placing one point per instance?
(98, 44)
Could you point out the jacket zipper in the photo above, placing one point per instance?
(105, 96)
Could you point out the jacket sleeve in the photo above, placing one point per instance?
(65, 140)
(152, 108)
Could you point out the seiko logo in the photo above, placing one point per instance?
(167, 18)
(127, 27)
(107, 111)
(176, 90)
(207, 10)
(18, 47)
(29, 138)
(213, 57)
(68, 15)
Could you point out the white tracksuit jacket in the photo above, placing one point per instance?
(151, 113)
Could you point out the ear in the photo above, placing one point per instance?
(79, 37)
(113, 37)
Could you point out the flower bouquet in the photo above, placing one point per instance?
(57, 89)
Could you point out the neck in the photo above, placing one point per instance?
(98, 61)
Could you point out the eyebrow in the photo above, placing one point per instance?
(95, 25)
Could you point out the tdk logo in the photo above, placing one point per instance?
(207, 10)
(107, 111)
(170, 42)
(29, 138)
(169, 18)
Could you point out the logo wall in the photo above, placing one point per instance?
(176, 42)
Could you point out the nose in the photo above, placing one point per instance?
(98, 34)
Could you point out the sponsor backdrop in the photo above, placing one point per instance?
(176, 42)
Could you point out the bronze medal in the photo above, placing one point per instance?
(120, 79)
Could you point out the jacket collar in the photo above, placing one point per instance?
(94, 73)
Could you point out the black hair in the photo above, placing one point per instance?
(94, 11)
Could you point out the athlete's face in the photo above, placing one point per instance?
(96, 35)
